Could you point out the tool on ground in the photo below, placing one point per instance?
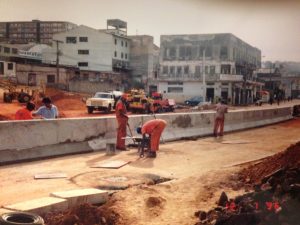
(145, 143)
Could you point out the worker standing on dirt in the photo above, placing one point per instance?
(122, 119)
(154, 129)
(221, 109)
(25, 113)
(48, 110)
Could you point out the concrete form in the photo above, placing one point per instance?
(45, 138)
(40, 205)
(80, 196)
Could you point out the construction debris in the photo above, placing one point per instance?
(275, 199)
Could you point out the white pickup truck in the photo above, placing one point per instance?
(102, 101)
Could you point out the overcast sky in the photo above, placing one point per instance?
(273, 26)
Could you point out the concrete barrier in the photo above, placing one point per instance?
(27, 140)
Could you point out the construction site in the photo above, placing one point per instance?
(63, 171)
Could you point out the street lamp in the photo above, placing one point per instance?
(203, 76)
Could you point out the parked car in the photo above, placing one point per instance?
(194, 101)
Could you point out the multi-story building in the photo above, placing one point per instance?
(90, 49)
(209, 65)
(144, 61)
(22, 32)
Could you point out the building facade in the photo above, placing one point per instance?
(144, 60)
(23, 32)
(89, 49)
(210, 65)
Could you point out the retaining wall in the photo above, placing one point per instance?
(25, 140)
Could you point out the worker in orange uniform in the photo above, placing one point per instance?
(122, 119)
(25, 113)
(154, 129)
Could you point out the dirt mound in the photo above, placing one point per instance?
(84, 214)
(155, 202)
(286, 159)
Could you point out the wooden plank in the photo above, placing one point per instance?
(50, 176)
(116, 164)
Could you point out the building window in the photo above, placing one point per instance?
(165, 69)
(71, 40)
(125, 55)
(122, 55)
(122, 43)
(125, 43)
(173, 52)
(175, 83)
(186, 70)
(197, 70)
(223, 53)
(83, 64)
(83, 39)
(14, 50)
(116, 42)
(206, 69)
(6, 50)
(50, 79)
(10, 66)
(179, 70)
(83, 52)
(175, 89)
(116, 54)
(0, 48)
(172, 70)
(212, 70)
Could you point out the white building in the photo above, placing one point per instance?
(90, 49)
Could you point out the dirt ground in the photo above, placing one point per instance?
(200, 170)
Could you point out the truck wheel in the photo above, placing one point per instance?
(7, 98)
(90, 109)
(15, 218)
(24, 98)
(108, 109)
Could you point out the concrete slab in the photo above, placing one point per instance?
(50, 176)
(116, 164)
(75, 197)
(40, 205)
(2, 211)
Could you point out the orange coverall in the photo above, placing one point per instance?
(23, 114)
(154, 128)
(121, 115)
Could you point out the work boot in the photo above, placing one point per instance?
(151, 154)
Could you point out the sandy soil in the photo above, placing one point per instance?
(199, 171)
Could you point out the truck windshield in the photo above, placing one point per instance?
(102, 95)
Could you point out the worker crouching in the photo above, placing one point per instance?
(154, 129)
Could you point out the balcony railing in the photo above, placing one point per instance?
(198, 77)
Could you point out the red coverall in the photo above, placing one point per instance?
(122, 118)
(154, 128)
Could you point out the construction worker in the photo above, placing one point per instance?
(25, 113)
(154, 129)
(48, 110)
(221, 109)
(122, 119)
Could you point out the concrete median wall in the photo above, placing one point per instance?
(26, 140)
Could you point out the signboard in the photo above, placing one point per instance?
(230, 77)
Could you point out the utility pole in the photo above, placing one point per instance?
(57, 59)
(203, 76)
